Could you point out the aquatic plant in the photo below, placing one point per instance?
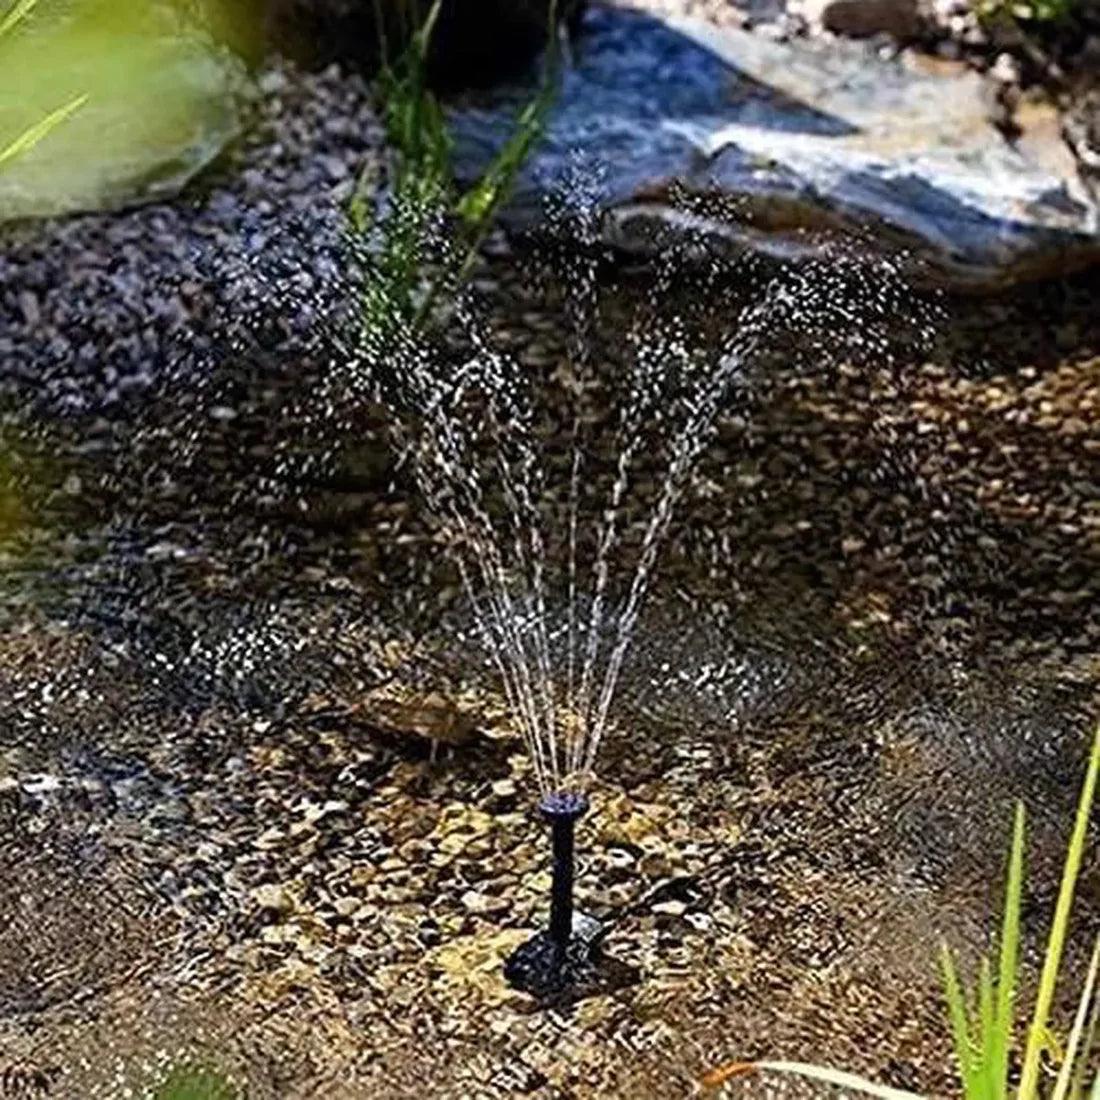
(982, 1018)
(32, 135)
(404, 283)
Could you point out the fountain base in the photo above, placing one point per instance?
(544, 967)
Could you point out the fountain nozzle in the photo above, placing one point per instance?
(553, 960)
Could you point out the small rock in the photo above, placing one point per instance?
(670, 908)
(483, 904)
(1005, 70)
(864, 18)
(345, 907)
(430, 716)
(273, 897)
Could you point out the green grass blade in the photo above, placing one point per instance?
(960, 1024)
(837, 1078)
(1029, 1081)
(1079, 1082)
(30, 138)
(19, 12)
(427, 28)
(1067, 1071)
(1009, 957)
(987, 1024)
(482, 201)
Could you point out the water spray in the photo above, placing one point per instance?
(567, 953)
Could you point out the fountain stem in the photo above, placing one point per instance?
(565, 956)
(562, 812)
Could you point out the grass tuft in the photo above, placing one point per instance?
(408, 275)
(981, 1018)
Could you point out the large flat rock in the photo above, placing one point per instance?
(776, 144)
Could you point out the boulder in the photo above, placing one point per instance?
(475, 42)
(781, 145)
(162, 103)
(1081, 128)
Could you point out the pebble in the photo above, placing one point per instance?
(100, 307)
(484, 904)
(272, 897)
(670, 908)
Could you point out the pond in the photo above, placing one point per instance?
(269, 777)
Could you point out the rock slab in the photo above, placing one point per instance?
(862, 18)
(777, 144)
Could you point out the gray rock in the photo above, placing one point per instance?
(776, 143)
(1082, 133)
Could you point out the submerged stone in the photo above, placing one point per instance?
(762, 145)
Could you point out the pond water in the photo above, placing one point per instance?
(262, 796)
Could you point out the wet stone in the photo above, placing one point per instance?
(816, 138)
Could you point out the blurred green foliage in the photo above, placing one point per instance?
(195, 1083)
(1028, 11)
(22, 142)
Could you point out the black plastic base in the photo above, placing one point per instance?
(540, 966)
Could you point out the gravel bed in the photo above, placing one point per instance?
(97, 307)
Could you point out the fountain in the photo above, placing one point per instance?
(469, 426)
(555, 551)
(732, 731)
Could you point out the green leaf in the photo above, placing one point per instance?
(960, 1025)
(1066, 1072)
(482, 201)
(1010, 948)
(32, 136)
(1029, 1081)
(987, 1028)
(19, 11)
(1079, 1084)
